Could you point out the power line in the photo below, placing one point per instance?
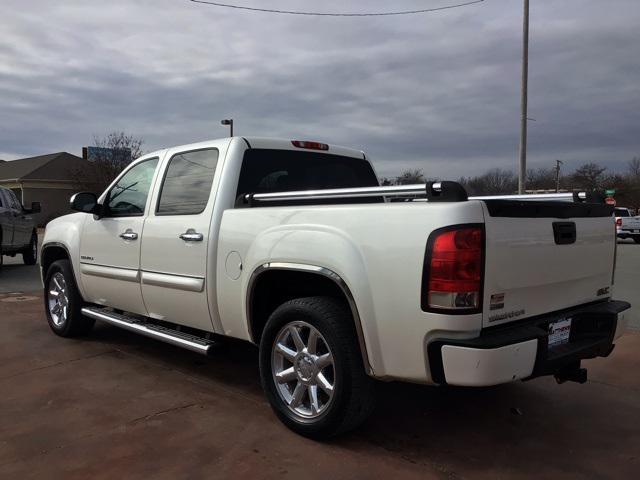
(320, 14)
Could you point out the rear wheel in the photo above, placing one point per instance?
(30, 255)
(636, 239)
(63, 302)
(311, 368)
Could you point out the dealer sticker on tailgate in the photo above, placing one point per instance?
(559, 332)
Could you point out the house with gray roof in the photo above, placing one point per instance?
(49, 179)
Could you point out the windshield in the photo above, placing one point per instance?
(622, 212)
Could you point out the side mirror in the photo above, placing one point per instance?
(85, 202)
(35, 207)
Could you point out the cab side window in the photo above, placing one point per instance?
(13, 201)
(187, 183)
(128, 197)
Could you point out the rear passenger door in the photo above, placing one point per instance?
(175, 240)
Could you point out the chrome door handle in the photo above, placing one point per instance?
(191, 236)
(129, 235)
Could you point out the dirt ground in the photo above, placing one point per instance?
(115, 405)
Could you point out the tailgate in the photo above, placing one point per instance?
(631, 223)
(545, 256)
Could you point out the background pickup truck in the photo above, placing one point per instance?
(293, 246)
(627, 226)
(17, 228)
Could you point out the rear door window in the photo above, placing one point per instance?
(187, 183)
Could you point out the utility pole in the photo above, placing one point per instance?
(558, 163)
(523, 99)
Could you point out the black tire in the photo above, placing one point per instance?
(74, 323)
(353, 397)
(636, 239)
(30, 255)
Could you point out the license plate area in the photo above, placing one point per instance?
(559, 332)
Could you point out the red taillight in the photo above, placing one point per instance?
(310, 145)
(618, 222)
(454, 269)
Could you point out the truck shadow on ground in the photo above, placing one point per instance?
(19, 278)
(529, 428)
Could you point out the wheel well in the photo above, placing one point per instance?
(51, 254)
(274, 287)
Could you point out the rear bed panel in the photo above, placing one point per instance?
(527, 273)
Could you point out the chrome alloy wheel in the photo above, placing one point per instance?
(303, 370)
(57, 299)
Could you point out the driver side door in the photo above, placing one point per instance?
(22, 223)
(110, 245)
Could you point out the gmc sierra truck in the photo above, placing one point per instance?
(293, 246)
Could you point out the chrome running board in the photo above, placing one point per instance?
(143, 327)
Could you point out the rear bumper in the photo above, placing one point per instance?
(519, 351)
(627, 234)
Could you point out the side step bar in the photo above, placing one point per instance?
(148, 329)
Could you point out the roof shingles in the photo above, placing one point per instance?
(54, 166)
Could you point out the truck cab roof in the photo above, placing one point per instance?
(268, 143)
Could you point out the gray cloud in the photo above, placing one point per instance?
(437, 91)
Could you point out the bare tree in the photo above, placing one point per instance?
(633, 167)
(409, 177)
(113, 153)
(493, 182)
(541, 179)
(589, 176)
(628, 193)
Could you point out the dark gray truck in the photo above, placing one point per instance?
(17, 229)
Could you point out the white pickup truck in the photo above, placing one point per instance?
(293, 246)
(627, 226)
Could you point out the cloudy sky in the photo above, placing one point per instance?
(437, 91)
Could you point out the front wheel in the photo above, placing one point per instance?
(636, 239)
(311, 368)
(63, 303)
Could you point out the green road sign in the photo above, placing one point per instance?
(610, 192)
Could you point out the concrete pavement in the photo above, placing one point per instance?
(116, 405)
(15, 276)
(627, 279)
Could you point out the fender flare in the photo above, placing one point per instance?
(64, 247)
(327, 273)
